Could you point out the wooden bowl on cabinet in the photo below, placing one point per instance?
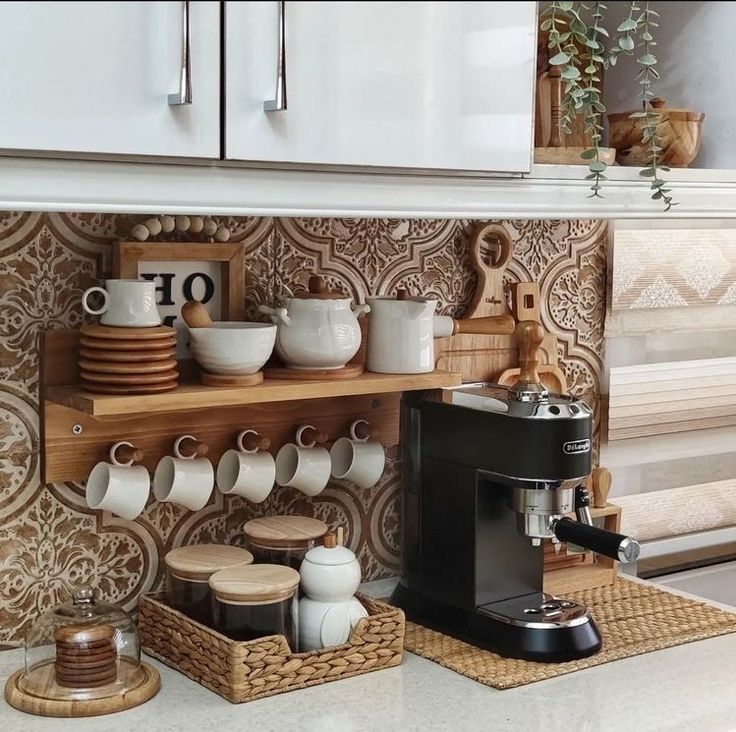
(680, 131)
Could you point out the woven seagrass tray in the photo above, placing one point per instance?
(243, 671)
(633, 618)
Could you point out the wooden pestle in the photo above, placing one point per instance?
(195, 315)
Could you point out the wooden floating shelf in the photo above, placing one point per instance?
(195, 396)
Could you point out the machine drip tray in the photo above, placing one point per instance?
(554, 634)
(539, 610)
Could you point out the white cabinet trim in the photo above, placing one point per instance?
(39, 184)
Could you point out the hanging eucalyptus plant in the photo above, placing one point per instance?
(582, 47)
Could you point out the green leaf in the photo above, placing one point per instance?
(588, 154)
(646, 36)
(570, 72)
(603, 31)
(546, 25)
(647, 60)
(647, 173)
(559, 59)
(597, 166)
(590, 69)
(637, 115)
(627, 25)
(626, 43)
(566, 6)
(592, 43)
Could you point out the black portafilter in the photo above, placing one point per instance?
(584, 534)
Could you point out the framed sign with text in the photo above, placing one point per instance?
(212, 273)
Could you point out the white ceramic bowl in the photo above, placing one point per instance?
(233, 348)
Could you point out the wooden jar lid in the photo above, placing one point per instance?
(284, 532)
(254, 584)
(199, 561)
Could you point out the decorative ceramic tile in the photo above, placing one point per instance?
(665, 268)
(50, 540)
(18, 450)
(48, 549)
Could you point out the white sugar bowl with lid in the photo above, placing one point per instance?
(330, 575)
(317, 329)
(330, 572)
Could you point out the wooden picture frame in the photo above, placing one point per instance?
(127, 255)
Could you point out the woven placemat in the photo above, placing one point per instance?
(633, 618)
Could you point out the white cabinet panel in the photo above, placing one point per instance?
(436, 85)
(94, 77)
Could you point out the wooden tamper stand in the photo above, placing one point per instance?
(529, 337)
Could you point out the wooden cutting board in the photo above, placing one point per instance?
(483, 357)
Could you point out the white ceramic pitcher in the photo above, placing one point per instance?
(401, 334)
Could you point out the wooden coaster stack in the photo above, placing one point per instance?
(127, 360)
(86, 657)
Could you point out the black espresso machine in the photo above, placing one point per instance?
(489, 472)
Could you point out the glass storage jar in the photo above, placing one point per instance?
(82, 650)
(257, 600)
(188, 570)
(283, 539)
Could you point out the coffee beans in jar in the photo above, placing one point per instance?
(257, 600)
(283, 539)
(188, 570)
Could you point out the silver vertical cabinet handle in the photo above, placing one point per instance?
(184, 95)
(278, 103)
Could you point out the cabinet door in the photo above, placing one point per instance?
(437, 85)
(94, 77)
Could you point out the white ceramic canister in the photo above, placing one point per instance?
(330, 575)
(317, 329)
(401, 334)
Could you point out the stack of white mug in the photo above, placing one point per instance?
(188, 479)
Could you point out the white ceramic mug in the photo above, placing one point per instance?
(119, 487)
(126, 303)
(247, 473)
(356, 459)
(303, 465)
(185, 480)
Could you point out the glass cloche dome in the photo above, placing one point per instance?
(82, 650)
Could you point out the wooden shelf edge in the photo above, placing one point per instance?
(195, 396)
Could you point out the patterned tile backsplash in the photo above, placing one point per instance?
(50, 540)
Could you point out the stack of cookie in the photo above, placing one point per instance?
(86, 656)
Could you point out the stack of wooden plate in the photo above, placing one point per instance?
(127, 360)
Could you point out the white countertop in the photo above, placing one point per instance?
(689, 687)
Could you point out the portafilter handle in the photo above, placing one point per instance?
(617, 546)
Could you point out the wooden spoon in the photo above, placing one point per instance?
(195, 315)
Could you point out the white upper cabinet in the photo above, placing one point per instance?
(94, 77)
(422, 85)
